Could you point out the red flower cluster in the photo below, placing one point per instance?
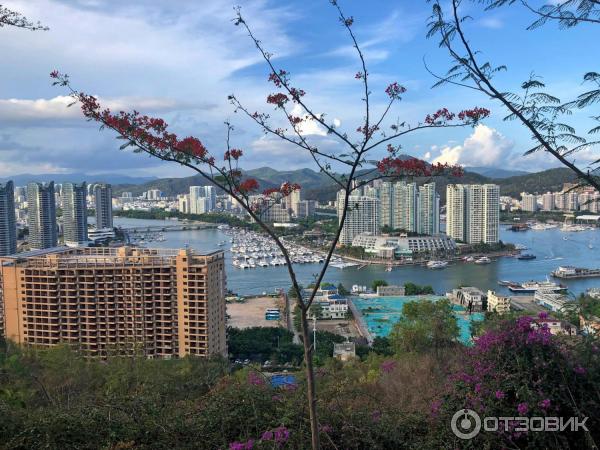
(234, 153)
(348, 22)
(296, 94)
(415, 168)
(394, 91)
(278, 99)
(475, 114)
(285, 189)
(439, 117)
(192, 146)
(368, 132)
(247, 186)
(277, 78)
(294, 120)
(359, 75)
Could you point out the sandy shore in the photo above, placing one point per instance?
(251, 313)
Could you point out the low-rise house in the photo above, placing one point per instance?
(469, 297)
(549, 299)
(332, 305)
(392, 290)
(557, 326)
(497, 303)
(403, 247)
(344, 351)
(590, 325)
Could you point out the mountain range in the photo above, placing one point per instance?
(318, 186)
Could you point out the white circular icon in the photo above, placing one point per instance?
(465, 424)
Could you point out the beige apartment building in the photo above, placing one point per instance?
(103, 301)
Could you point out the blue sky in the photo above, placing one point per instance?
(180, 59)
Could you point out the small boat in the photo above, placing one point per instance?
(505, 282)
(388, 269)
(437, 264)
(526, 256)
(483, 260)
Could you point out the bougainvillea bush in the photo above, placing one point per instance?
(521, 370)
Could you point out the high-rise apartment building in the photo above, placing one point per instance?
(386, 205)
(105, 301)
(548, 201)
(8, 226)
(528, 202)
(404, 215)
(362, 216)
(456, 211)
(559, 200)
(41, 212)
(293, 201)
(203, 199)
(74, 214)
(103, 202)
(473, 212)
(428, 207)
(571, 201)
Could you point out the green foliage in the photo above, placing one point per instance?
(425, 325)
(377, 283)
(342, 289)
(415, 289)
(263, 343)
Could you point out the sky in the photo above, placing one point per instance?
(180, 60)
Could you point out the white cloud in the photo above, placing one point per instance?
(427, 156)
(484, 147)
(23, 111)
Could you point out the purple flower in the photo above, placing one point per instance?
(267, 436)
(500, 395)
(388, 366)
(579, 370)
(545, 404)
(435, 407)
(326, 428)
(542, 315)
(282, 434)
(523, 408)
(255, 379)
(242, 445)
(478, 388)
(376, 415)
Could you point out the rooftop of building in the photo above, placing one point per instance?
(103, 255)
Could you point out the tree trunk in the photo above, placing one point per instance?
(310, 380)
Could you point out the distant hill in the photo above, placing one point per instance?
(496, 172)
(23, 179)
(539, 182)
(317, 186)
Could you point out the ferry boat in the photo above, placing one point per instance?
(526, 256)
(483, 260)
(531, 287)
(575, 272)
(437, 264)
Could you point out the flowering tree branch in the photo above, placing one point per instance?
(15, 19)
(538, 111)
